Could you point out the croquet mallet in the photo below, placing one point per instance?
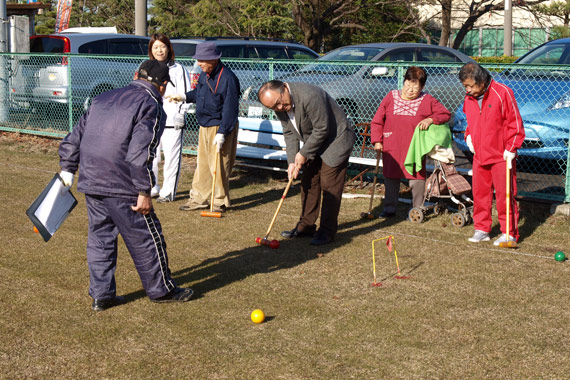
(211, 213)
(274, 243)
(509, 243)
(369, 214)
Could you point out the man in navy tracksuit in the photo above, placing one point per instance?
(114, 144)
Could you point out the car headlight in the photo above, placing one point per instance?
(563, 102)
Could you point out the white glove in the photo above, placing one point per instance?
(219, 141)
(67, 178)
(176, 98)
(509, 157)
(470, 144)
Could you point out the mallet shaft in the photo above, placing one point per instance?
(374, 182)
(279, 206)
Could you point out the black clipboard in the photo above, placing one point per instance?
(51, 207)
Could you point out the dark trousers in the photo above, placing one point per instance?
(142, 234)
(318, 177)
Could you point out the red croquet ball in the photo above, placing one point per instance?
(274, 244)
(258, 240)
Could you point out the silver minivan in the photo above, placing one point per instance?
(44, 77)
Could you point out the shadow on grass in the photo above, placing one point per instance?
(532, 215)
(217, 272)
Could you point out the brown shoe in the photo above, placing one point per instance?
(191, 205)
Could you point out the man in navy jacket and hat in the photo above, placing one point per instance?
(113, 145)
(217, 99)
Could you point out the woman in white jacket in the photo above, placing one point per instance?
(160, 48)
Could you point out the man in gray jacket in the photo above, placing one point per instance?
(311, 118)
(113, 145)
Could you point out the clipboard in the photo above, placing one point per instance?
(51, 207)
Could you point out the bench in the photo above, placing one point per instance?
(262, 139)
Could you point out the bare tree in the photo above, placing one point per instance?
(475, 9)
(317, 18)
(557, 9)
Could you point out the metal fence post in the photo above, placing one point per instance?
(69, 93)
(567, 187)
(400, 75)
(271, 68)
(4, 72)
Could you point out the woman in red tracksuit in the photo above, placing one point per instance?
(494, 133)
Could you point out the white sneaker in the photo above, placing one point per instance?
(479, 236)
(503, 239)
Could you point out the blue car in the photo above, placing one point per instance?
(543, 96)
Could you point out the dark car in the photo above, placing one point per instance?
(542, 89)
(249, 72)
(360, 88)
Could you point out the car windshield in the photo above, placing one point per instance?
(351, 54)
(182, 49)
(553, 54)
(47, 45)
(557, 54)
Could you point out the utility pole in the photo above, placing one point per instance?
(508, 31)
(140, 17)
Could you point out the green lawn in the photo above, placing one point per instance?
(469, 311)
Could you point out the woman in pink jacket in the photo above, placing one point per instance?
(392, 128)
(494, 133)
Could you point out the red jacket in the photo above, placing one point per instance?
(496, 126)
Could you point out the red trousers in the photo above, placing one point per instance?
(487, 178)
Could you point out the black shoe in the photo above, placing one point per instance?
(309, 231)
(176, 295)
(100, 305)
(321, 238)
(385, 214)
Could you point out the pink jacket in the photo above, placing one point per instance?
(496, 126)
(394, 124)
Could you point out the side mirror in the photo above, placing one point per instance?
(379, 71)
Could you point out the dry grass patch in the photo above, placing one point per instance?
(468, 311)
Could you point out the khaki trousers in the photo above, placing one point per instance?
(206, 160)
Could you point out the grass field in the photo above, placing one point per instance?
(469, 311)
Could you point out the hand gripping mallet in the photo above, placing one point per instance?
(274, 243)
(509, 243)
(211, 213)
(369, 214)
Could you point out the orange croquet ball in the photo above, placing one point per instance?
(36, 230)
(257, 316)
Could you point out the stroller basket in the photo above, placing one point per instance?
(445, 181)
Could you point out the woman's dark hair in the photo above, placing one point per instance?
(474, 71)
(165, 40)
(416, 74)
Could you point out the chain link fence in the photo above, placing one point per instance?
(46, 95)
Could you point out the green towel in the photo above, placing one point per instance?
(423, 142)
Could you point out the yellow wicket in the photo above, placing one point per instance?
(374, 255)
